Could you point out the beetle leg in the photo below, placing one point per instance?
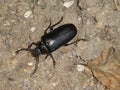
(67, 44)
(49, 54)
(54, 63)
(26, 49)
(46, 56)
(36, 65)
(51, 28)
(45, 32)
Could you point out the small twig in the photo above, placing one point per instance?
(80, 10)
(79, 5)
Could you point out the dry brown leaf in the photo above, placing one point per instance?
(102, 77)
(107, 73)
(109, 80)
(101, 59)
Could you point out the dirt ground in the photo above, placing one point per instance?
(24, 21)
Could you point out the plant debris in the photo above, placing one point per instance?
(104, 71)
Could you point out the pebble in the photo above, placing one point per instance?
(80, 68)
(28, 14)
(68, 4)
(30, 64)
(33, 29)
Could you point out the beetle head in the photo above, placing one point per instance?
(35, 52)
(39, 49)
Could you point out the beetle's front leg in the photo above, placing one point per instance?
(46, 56)
(36, 65)
(49, 54)
(26, 49)
(54, 62)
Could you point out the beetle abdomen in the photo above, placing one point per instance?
(59, 37)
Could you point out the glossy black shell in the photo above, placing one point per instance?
(59, 37)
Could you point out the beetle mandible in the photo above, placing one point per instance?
(51, 41)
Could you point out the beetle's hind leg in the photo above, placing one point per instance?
(67, 44)
(51, 27)
(26, 49)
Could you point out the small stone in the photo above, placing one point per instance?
(54, 84)
(79, 18)
(80, 68)
(30, 64)
(13, 53)
(28, 14)
(68, 4)
(32, 29)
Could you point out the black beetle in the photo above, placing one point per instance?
(52, 41)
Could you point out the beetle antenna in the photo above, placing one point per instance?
(23, 49)
(27, 49)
